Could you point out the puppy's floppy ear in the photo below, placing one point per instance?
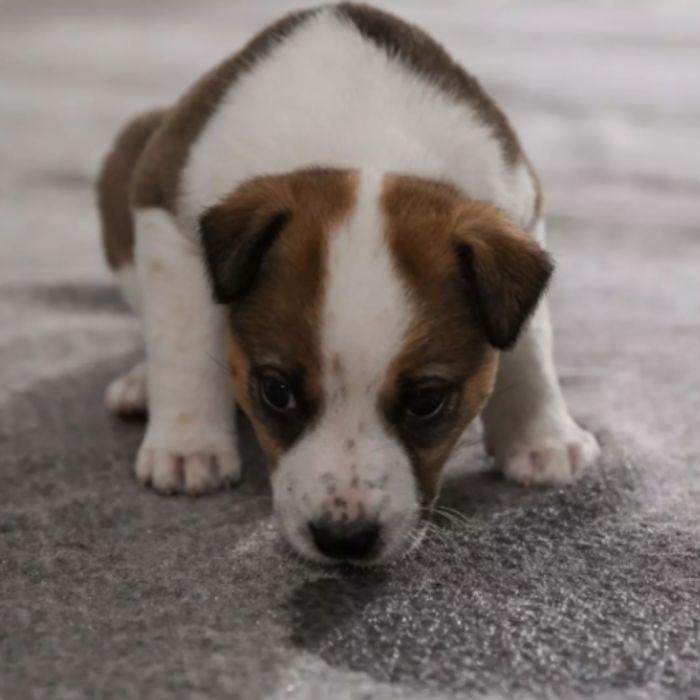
(504, 270)
(236, 236)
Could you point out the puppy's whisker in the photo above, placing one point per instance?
(448, 518)
(434, 531)
(457, 515)
(453, 517)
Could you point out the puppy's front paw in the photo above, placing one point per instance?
(547, 451)
(192, 469)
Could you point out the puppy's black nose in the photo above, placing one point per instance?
(354, 540)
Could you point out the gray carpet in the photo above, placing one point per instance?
(108, 590)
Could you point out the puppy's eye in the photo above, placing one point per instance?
(277, 395)
(425, 403)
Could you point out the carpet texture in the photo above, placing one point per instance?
(108, 590)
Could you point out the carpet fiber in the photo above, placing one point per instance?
(108, 590)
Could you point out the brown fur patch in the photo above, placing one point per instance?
(113, 186)
(426, 222)
(278, 321)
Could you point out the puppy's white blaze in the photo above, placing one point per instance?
(350, 455)
(328, 96)
(366, 311)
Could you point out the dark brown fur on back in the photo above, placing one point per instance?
(114, 183)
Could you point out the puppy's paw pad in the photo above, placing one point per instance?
(127, 393)
(553, 460)
(193, 473)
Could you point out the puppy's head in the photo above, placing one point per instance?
(366, 315)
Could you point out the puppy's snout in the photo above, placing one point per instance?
(345, 540)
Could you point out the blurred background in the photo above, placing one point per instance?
(107, 590)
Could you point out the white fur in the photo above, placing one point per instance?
(365, 316)
(328, 96)
(190, 440)
(527, 425)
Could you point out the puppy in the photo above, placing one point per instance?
(339, 228)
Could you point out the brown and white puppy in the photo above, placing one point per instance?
(341, 215)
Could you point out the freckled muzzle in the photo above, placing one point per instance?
(349, 526)
(345, 518)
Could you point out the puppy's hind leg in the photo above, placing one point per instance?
(127, 394)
